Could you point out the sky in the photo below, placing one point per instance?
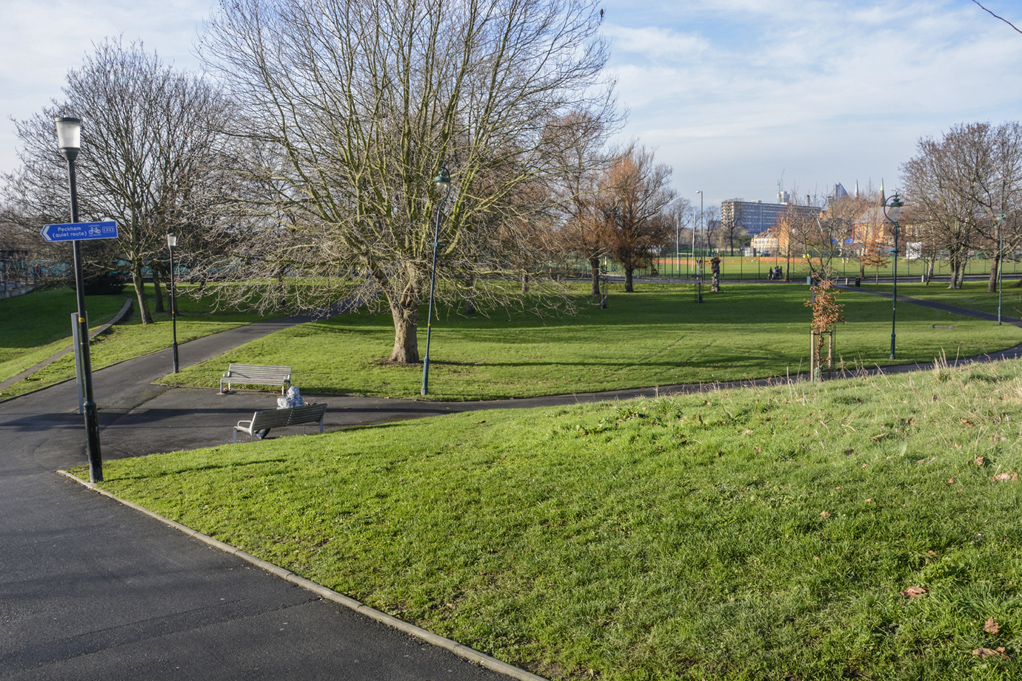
(739, 97)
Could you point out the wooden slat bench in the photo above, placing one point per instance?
(257, 374)
(281, 418)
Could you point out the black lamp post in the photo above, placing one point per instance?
(69, 139)
(893, 202)
(443, 185)
(1000, 261)
(171, 242)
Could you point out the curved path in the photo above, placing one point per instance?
(90, 589)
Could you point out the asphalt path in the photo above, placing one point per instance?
(90, 589)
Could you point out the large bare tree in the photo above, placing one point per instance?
(634, 203)
(350, 109)
(958, 185)
(576, 148)
(149, 137)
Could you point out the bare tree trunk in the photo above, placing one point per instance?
(143, 306)
(594, 267)
(929, 269)
(406, 342)
(628, 280)
(992, 283)
(525, 283)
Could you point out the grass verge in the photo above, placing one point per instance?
(973, 295)
(46, 315)
(657, 336)
(749, 534)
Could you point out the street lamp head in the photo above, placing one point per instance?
(1000, 217)
(443, 179)
(172, 240)
(893, 202)
(69, 135)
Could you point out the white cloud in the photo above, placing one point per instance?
(42, 39)
(829, 90)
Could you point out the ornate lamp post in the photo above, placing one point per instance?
(443, 185)
(171, 242)
(893, 202)
(69, 139)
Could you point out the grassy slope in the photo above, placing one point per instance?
(46, 315)
(658, 336)
(744, 534)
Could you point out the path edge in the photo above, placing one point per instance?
(424, 635)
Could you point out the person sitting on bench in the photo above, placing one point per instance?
(293, 398)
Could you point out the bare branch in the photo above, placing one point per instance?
(996, 17)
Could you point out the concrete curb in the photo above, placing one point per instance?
(458, 649)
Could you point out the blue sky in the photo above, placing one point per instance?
(731, 93)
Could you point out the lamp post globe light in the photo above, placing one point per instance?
(895, 203)
(443, 185)
(171, 242)
(69, 140)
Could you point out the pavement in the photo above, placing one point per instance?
(91, 589)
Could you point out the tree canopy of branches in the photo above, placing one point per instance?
(352, 106)
(148, 141)
(575, 142)
(957, 186)
(634, 201)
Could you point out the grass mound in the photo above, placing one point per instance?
(865, 528)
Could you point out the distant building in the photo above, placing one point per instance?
(769, 242)
(756, 217)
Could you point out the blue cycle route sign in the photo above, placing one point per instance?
(80, 231)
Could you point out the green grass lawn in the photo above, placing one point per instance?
(972, 295)
(742, 267)
(40, 325)
(745, 534)
(657, 336)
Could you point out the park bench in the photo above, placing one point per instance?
(280, 418)
(256, 374)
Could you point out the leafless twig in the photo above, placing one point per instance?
(997, 17)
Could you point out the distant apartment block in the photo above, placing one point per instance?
(756, 217)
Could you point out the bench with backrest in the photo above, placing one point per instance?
(281, 418)
(257, 374)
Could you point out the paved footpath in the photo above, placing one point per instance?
(90, 589)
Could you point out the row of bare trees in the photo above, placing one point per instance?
(152, 160)
(299, 171)
(958, 188)
(309, 151)
(613, 204)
